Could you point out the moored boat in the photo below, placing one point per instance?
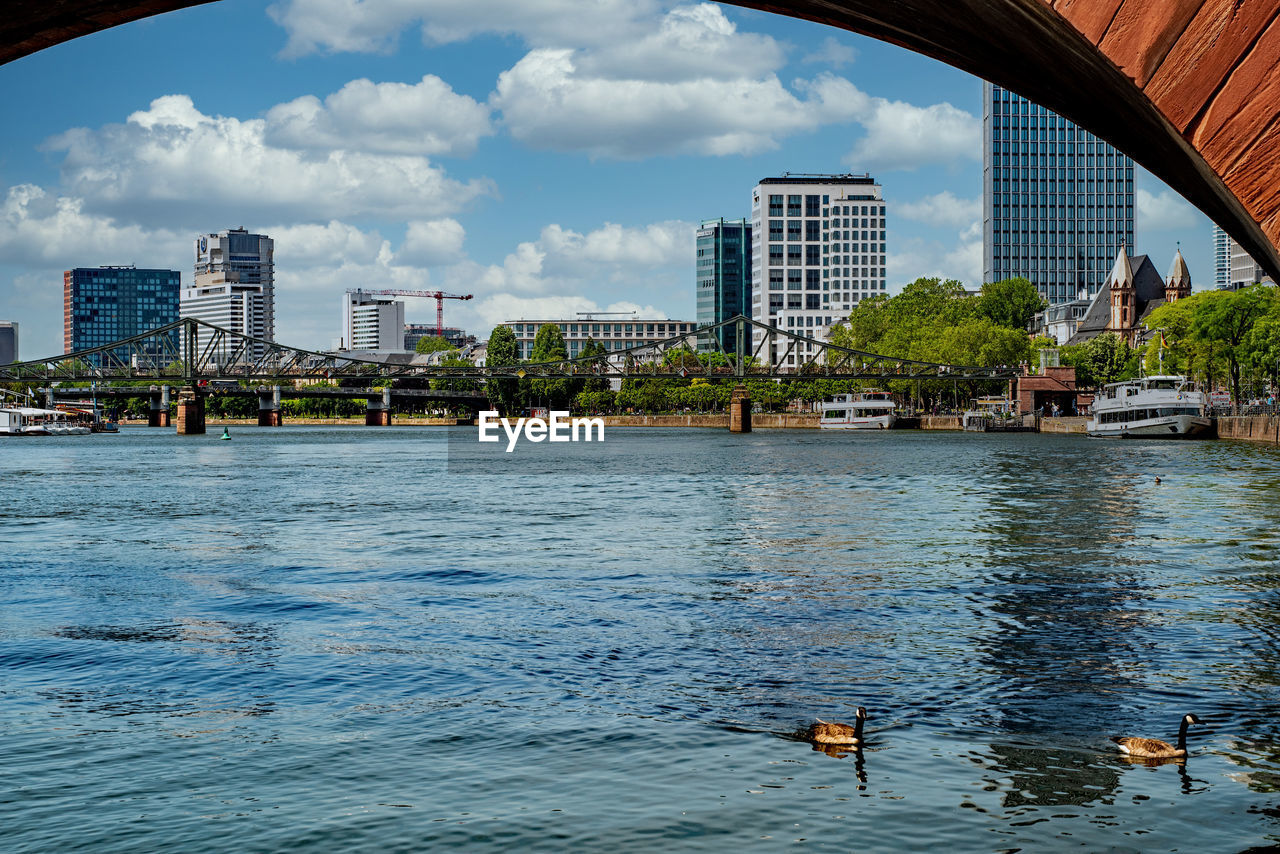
(31, 421)
(1160, 407)
(868, 410)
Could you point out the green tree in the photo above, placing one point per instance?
(1011, 303)
(549, 346)
(1226, 319)
(432, 344)
(592, 349)
(502, 352)
(1106, 358)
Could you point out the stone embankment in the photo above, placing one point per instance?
(1250, 428)
(1063, 424)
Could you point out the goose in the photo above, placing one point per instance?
(830, 733)
(1154, 748)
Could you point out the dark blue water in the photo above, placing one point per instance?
(331, 639)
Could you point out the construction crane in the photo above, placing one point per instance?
(438, 296)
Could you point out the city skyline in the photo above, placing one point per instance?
(532, 163)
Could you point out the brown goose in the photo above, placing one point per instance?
(828, 733)
(1154, 748)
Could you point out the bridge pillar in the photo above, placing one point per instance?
(190, 414)
(269, 414)
(158, 415)
(379, 412)
(740, 411)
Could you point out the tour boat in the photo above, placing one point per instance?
(870, 410)
(30, 421)
(1164, 407)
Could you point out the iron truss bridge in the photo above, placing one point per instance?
(192, 352)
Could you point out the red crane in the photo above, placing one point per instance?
(439, 296)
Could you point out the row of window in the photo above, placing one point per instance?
(600, 328)
(1145, 414)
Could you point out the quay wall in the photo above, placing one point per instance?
(1249, 428)
(1064, 424)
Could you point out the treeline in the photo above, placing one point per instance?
(931, 320)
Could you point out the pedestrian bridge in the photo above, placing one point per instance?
(202, 357)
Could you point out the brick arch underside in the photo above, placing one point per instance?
(1188, 88)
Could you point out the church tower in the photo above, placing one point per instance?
(1178, 283)
(1123, 296)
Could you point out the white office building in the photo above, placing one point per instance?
(371, 322)
(818, 249)
(234, 284)
(614, 334)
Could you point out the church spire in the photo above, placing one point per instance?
(1122, 272)
(1178, 283)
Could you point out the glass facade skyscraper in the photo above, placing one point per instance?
(724, 276)
(1057, 202)
(105, 304)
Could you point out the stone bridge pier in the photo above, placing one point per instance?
(269, 414)
(379, 412)
(158, 414)
(190, 413)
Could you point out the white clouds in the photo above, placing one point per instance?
(689, 43)
(371, 26)
(38, 229)
(397, 118)
(547, 103)
(173, 163)
(904, 136)
(1164, 212)
(833, 53)
(943, 209)
(431, 242)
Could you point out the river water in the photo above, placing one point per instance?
(351, 639)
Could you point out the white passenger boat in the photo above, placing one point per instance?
(30, 421)
(1165, 407)
(869, 410)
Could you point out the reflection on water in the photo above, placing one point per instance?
(404, 655)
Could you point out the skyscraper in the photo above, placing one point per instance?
(234, 284)
(105, 304)
(1222, 243)
(818, 247)
(1057, 202)
(1233, 267)
(8, 342)
(724, 276)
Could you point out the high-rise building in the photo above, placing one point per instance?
(818, 247)
(371, 322)
(105, 304)
(724, 276)
(1057, 202)
(1222, 243)
(8, 342)
(1233, 267)
(234, 284)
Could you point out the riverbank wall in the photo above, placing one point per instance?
(1249, 428)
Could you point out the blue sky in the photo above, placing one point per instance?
(548, 157)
